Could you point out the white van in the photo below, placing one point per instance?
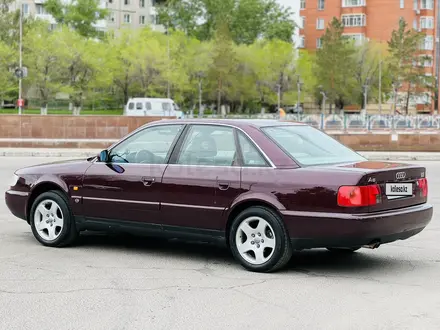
(152, 107)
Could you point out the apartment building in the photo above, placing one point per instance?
(372, 20)
(122, 13)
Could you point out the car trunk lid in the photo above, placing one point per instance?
(401, 185)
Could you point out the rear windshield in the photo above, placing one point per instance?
(309, 146)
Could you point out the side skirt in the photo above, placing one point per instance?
(152, 230)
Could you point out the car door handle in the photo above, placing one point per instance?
(148, 181)
(223, 186)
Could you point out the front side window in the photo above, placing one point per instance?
(149, 146)
(208, 145)
(166, 106)
(309, 146)
(251, 156)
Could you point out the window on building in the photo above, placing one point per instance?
(25, 9)
(318, 43)
(303, 4)
(142, 20)
(302, 22)
(358, 38)
(427, 4)
(321, 4)
(142, 3)
(40, 9)
(302, 42)
(127, 18)
(402, 4)
(427, 22)
(415, 25)
(353, 3)
(427, 61)
(126, 2)
(428, 43)
(320, 25)
(354, 20)
(416, 4)
(112, 17)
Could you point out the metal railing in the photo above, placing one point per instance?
(367, 123)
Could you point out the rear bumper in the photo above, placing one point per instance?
(318, 230)
(16, 201)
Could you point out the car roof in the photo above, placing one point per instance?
(234, 122)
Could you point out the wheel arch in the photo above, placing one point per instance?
(41, 187)
(241, 205)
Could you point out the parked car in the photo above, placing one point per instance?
(264, 188)
(152, 107)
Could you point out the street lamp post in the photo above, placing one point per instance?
(169, 63)
(299, 83)
(324, 99)
(366, 87)
(20, 78)
(279, 96)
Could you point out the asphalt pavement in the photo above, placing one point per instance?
(118, 283)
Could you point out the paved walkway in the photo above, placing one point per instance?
(73, 153)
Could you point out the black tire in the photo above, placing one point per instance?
(348, 250)
(283, 248)
(69, 233)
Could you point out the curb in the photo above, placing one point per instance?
(75, 153)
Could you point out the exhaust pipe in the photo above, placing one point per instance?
(372, 246)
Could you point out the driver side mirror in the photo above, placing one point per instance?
(103, 156)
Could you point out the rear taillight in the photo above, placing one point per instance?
(354, 196)
(423, 185)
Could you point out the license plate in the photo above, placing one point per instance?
(399, 189)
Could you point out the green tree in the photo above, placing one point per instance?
(8, 85)
(196, 60)
(404, 49)
(46, 59)
(248, 20)
(87, 68)
(151, 63)
(122, 60)
(81, 15)
(335, 64)
(224, 61)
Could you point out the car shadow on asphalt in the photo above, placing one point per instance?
(319, 261)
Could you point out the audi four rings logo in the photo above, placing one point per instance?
(400, 175)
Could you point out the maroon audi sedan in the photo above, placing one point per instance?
(265, 188)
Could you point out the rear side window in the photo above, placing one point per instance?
(148, 105)
(131, 105)
(251, 156)
(309, 146)
(139, 106)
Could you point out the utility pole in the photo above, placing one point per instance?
(279, 96)
(299, 92)
(20, 78)
(200, 96)
(169, 63)
(380, 86)
(324, 99)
